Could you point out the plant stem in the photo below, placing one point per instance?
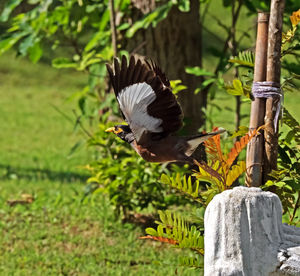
(113, 26)
(297, 205)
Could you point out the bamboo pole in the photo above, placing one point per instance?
(273, 75)
(255, 147)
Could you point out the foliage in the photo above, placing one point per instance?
(262, 5)
(289, 36)
(177, 86)
(177, 231)
(63, 23)
(210, 78)
(220, 170)
(245, 58)
(174, 229)
(286, 179)
(290, 46)
(183, 185)
(238, 88)
(152, 18)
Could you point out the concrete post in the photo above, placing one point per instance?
(244, 235)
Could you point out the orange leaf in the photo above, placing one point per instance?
(161, 239)
(239, 145)
(213, 147)
(295, 18)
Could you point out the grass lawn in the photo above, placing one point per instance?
(58, 234)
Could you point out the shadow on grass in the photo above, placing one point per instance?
(37, 174)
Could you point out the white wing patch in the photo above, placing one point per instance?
(134, 101)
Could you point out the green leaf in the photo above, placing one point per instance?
(104, 21)
(169, 217)
(243, 130)
(123, 26)
(178, 181)
(96, 40)
(269, 183)
(162, 216)
(245, 58)
(289, 120)
(197, 71)
(63, 63)
(151, 232)
(35, 52)
(177, 86)
(236, 89)
(151, 18)
(28, 42)
(237, 84)
(7, 43)
(190, 185)
(165, 179)
(207, 82)
(283, 155)
(160, 230)
(184, 5)
(185, 186)
(9, 7)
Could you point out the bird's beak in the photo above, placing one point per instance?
(111, 129)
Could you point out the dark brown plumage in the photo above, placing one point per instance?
(151, 111)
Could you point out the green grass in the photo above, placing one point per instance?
(58, 234)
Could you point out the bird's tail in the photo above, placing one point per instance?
(196, 140)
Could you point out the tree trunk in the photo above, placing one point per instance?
(175, 43)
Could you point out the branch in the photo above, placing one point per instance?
(113, 26)
(297, 205)
(226, 44)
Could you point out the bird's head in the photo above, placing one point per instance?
(122, 131)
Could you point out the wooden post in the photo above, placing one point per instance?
(273, 75)
(255, 147)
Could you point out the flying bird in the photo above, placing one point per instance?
(152, 112)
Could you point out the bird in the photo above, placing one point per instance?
(152, 113)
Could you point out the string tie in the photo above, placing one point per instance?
(269, 89)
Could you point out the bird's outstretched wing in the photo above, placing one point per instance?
(145, 99)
